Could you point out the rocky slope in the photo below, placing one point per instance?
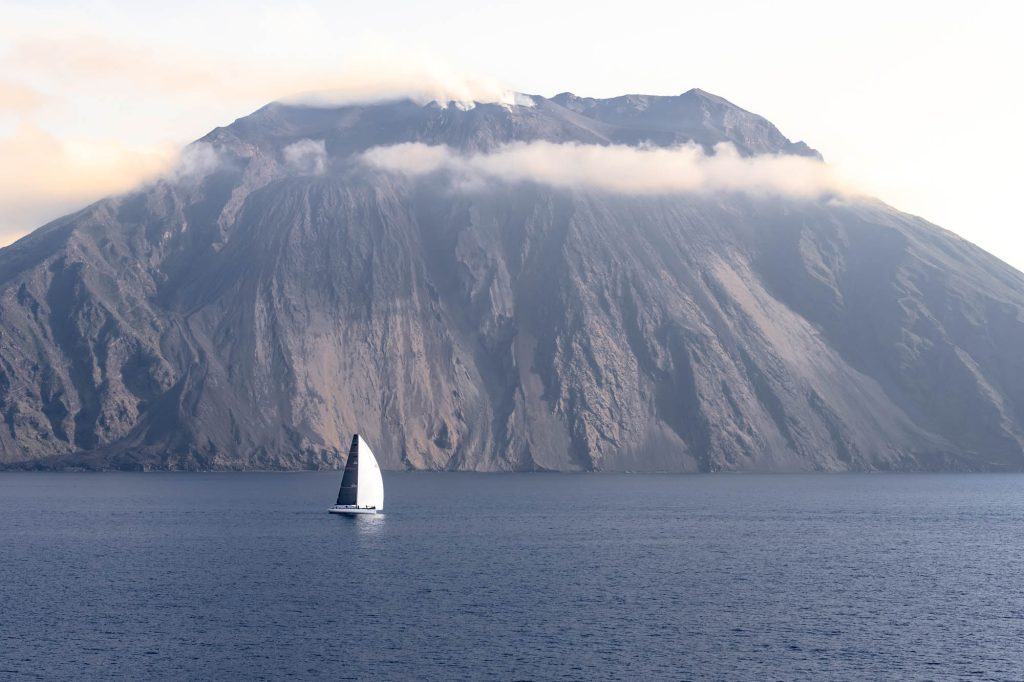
(273, 296)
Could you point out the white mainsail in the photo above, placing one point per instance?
(370, 490)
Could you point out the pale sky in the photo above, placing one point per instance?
(919, 103)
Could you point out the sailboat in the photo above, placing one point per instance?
(362, 488)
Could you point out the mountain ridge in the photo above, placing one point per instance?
(254, 308)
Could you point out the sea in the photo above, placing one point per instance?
(224, 576)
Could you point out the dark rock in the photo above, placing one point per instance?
(247, 316)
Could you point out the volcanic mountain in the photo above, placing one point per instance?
(276, 293)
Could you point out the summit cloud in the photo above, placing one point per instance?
(618, 168)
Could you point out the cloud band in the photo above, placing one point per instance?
(617, 168)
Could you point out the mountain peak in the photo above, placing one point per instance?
(252, 313)
(697, 92)
(633, 120)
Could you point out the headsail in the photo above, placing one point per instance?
(370, 486)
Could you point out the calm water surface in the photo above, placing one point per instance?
(531, 576)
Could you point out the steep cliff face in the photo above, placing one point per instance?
(260, 305)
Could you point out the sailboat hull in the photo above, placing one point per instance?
(351, 510)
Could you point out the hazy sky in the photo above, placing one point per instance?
(919, 103)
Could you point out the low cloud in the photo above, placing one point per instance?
(617, 168)
(43, 177)
(63, 144)
(370, 77)
(364, 74)
(19, 99)
(195, 162)
(306, 157)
